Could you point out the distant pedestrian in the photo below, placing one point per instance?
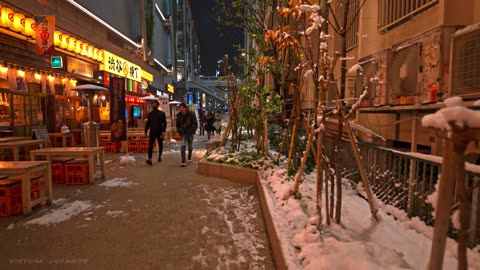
(218, 122)
(157, 123)
(201, 117)
(186, 126)
(209, 120)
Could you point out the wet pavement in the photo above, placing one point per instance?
(169, 217)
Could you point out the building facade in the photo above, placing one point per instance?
(413, 55)
(94, 41)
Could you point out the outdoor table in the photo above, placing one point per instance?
(13, 139)
(15, 146)
(90, 152)
(25, 170)
(64, 138)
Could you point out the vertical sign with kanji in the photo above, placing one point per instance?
(45, 27)
(117, 110)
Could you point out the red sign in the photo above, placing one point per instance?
(134, 100)
(45, 26)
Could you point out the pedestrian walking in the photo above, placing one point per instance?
(186, 126)
(209, 120)
(201, 117)
(218, 122)
(157, 123)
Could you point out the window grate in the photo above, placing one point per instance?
(392, 13)
(352, 35)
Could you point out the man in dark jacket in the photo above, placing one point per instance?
(157, 123)
(186, 126)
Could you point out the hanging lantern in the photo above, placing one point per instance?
(72, 44)
(100, 56)
(95, 54)
(79, 47)
(30, 27)
(7, 17)
(90, 51)
(19, 22)
(57, 38)
(65, 41)
(84, 49)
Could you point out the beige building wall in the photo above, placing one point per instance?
(446, 13)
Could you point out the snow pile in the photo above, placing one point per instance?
(61, 214)
(127, 160)
(454, 112)
(392, 242)
(118, 182)
(115, 214)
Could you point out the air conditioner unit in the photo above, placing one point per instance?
(418, 72)
(374, 78)
(465, 63)
(403, 75)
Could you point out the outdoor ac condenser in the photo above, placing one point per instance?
(465, 63)
(373, 77)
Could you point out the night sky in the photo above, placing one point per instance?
(213, 44)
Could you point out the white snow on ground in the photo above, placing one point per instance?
(61, 214)
(118, 182)
(360, 241)
(115, 214)
(234, 208)
(127, 160)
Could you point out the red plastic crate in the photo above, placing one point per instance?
(58, 170)
(76, 172)
(133, 146)
(10, 198)
(143, 146)
(110, 147)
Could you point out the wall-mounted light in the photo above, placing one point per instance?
(21, 73)
(3, 70)
(37, 76)
(50, 78)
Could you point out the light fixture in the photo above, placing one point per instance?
(160, 64)
(30, 27)
(37, 76)
(86, 11)
(21, 73)
(50, 78)
(18, 22)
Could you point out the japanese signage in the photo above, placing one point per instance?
(44, 34)
(121, 67)
(134, 100)
(170, 88)
(117, 110)
(79, 67)
(147, 76)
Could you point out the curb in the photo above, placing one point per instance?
(249, 176)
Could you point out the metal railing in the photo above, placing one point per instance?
(388, 173)
(394, 12)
